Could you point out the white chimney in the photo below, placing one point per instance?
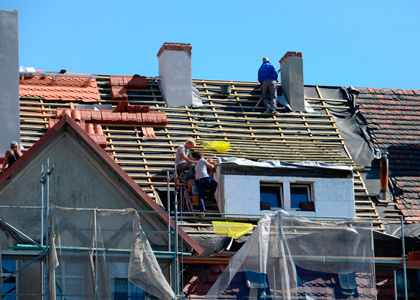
(175, 73)
(292, 79)
(9, 79)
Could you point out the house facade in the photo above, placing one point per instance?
(108, 142)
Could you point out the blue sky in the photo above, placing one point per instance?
(360, 43)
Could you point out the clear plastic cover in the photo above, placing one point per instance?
(290, 257)
(102, 254)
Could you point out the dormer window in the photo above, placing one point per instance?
(286, 195)
(309, 189)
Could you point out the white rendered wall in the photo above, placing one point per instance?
(9, 79)
(334, 197)
(175, 77)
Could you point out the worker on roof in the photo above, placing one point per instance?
(203, 181)
(11, 155)
(268, 78)
(184, 161)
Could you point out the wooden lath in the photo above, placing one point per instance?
(253, 134)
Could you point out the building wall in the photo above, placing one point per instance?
(334, 197)
(79, 180)
(9, 79)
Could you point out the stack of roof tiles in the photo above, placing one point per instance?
(59, 88)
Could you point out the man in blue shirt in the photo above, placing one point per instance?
(268, 77)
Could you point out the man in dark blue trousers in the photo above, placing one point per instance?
(268, 77)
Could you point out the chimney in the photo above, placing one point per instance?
(9, 79)
(383, 194)
(292, 79)
(175, 73)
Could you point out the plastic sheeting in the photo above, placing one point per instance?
(280, 164)
(289, 257)
(353, 129)
(219, 146)
(112, 247)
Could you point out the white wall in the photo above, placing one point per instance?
(176, 77)
(240, 194)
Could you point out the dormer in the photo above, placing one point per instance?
(310, 189)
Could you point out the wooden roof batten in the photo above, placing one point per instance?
(253, 134)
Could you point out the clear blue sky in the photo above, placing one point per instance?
(365, 43)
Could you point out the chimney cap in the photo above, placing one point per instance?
(290, 54)
(174, 47)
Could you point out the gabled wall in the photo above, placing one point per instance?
(79, 179)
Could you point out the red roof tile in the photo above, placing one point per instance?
(62, 88)
(120, 84)
(393, 118)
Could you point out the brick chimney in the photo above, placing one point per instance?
(9, 79)
(175, 73)
(292, 79)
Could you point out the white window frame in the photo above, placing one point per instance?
(63, 276)
(285, 191)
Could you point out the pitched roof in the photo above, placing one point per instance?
(234, 117)
(107, 160)
(393, 118)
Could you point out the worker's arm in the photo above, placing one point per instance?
(189, 159)
(209, 165)
(5, 161)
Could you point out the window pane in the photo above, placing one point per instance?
(73, 268)
(119, 269)
(298, 194)
(120, 288)
(271, 195)
(73, 286)
(9, 287)
(410, 283)
(8, 265)
(58, 287)
(137, 292)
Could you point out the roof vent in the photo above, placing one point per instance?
(226, 89)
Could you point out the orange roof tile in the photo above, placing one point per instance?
(62, 88)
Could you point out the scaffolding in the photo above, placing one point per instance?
(41, 251)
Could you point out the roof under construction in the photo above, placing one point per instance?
(235, 117)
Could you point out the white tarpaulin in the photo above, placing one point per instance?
(102, 254)
(289, 257)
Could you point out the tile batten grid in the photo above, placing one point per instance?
(175, 73)
(9, 79)
(292, 79)
(252, 134)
